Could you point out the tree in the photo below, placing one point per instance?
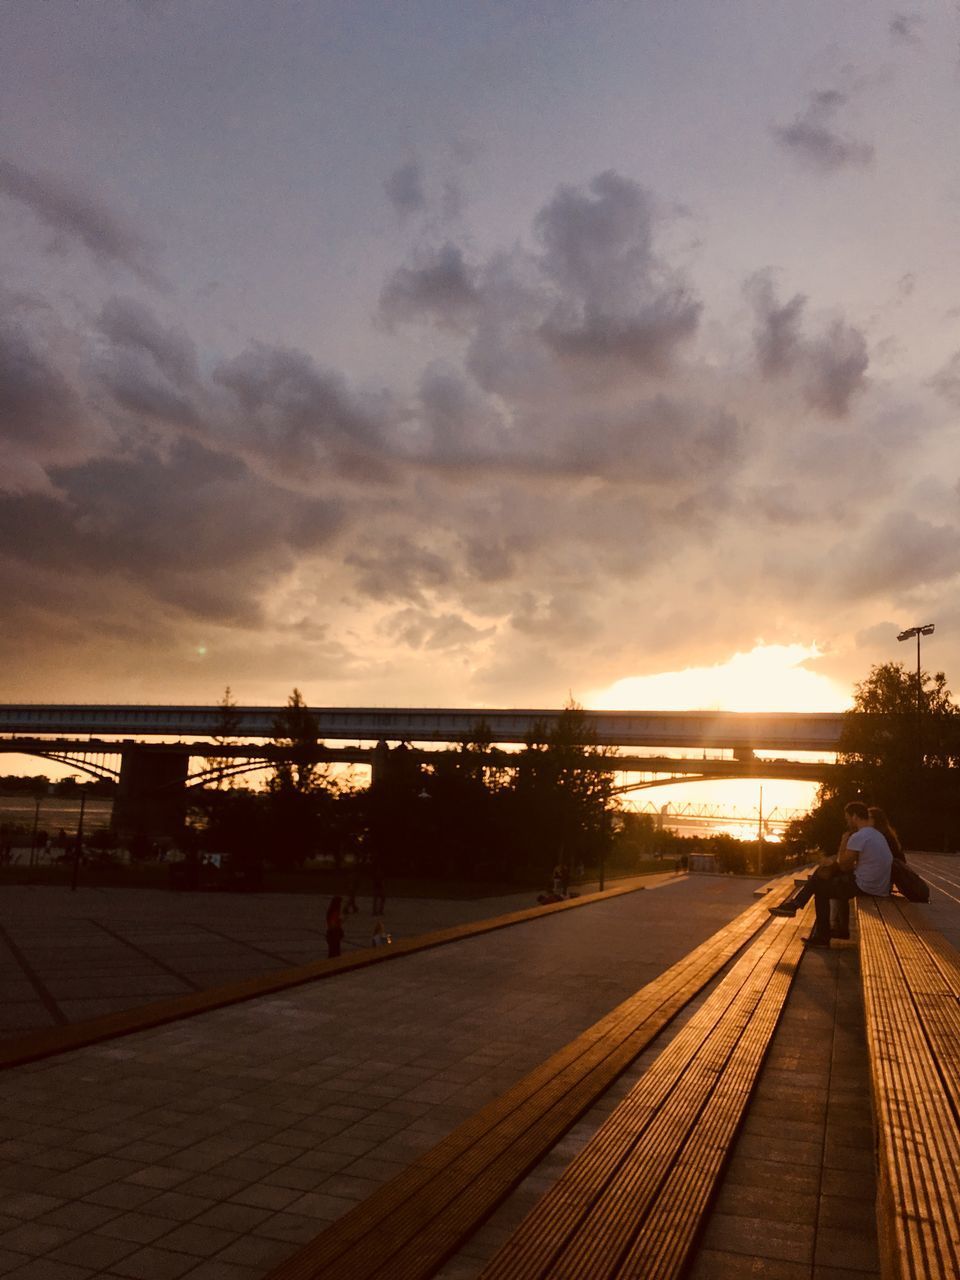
(886, 759)
(562, 791)
(227, 719)
(300, 790)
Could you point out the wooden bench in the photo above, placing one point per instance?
(911, 985)
(632, 1203)
(412, 1224)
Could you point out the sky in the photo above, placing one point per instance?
(436, 353)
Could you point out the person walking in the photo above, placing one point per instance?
(334, 928)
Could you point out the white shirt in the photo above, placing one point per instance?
(872, 872)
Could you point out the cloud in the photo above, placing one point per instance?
(777, 335)
(404, 189)
(38, 406)
(830, 366)
(68, 210)
(300, 418)
(194, 526)
(901, 552)
(837, 362)
(615, 299)
(400, 569)
(576, 479)
(946, 381)
(131, 324)
(441, 287)
(420, 629)
(814, 140)
(905, 28)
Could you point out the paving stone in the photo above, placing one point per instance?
(34, 1238)
(49, 1269)
(155, 1264)
(760, 1238)
(846, 1248)
(80, 1216)
(177, 1206)
(159, 1176)
(267, 1197)
(717, 1264)
(198, 1240)
(93, 1250)
(141, 1228)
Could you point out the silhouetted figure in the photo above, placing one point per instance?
(334, 928)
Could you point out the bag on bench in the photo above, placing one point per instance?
(913, 887)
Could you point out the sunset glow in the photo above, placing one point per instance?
(768, 678)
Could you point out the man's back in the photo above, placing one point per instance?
(874, 859)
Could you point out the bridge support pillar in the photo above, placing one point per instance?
(151, 798)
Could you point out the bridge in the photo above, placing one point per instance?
(739, 731)
(123, 743)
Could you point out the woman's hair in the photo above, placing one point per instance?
(882, 824)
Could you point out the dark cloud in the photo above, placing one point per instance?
(420, 629)
(837, 363)
(441, 287)
(150, 369)
(905, 28)
(192, 526)
(902, 551)
(404, 189)
(814, 140)
(830, 365)
(616, 300)
(132, 325)
(777, 335)
(281, 405)
(400, 570)
(38, 406)
(947, 380)
(69, 211)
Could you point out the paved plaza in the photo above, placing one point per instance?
(214, 1146)
(66, 956)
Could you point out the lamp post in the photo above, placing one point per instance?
(926, 629)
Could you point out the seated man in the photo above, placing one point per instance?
(862, 866)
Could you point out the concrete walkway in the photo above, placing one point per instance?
(213, 1146)
(66, 957)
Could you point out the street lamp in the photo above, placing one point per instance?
(926, 629)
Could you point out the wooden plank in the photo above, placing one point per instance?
(663, 1245)
(498, 1147)
(918, 1139)
(423, 1215)
(587, 1221)
(932, 994)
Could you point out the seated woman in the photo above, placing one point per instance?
(861, 866)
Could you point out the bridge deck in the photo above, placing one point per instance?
(787, 731)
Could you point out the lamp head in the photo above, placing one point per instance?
(927, 629)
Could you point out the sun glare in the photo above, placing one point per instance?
(768, 678)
